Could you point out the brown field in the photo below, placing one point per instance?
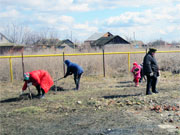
(102, 106)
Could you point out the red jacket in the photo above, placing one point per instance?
(40, 77)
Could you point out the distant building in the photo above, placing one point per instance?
(54, 43)
(66, 44)
(138, 44)
(109, 41)
(95, 37)
(100, 40)
(47, 43)
(7, 46)
(4, 39)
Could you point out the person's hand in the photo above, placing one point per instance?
(70, 73)
(29, 84)
(22, 92)
(151, 74)
(158, 74)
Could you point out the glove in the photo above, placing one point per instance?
(29, 84)
(151, 74)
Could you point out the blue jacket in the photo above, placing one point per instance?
(73, 68)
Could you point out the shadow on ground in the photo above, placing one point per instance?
(120, 96)
(11, 100)
(57, 88)
(125, 82)
(25, 96)
(124, 86)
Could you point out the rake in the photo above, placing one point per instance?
(56, 82)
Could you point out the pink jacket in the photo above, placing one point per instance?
(137, 74)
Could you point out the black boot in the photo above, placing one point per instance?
(155, 91)
(43, 93)
(148, 92)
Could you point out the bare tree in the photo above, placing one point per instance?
(20, 34)
(16, 33)
(49, 33)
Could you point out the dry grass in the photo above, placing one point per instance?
(106, 103)
(116, 65)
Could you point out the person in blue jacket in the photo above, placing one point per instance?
(73, 68)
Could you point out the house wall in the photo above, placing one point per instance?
(5, 49)
(88, 43)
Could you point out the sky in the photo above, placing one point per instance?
(145, 20)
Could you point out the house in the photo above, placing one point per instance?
(7, 46)
(66, 44)
(4, 39)
(138, 44)
(47, 43)
(95, 37)
(54, 43)
(109, 40)
(101, 39)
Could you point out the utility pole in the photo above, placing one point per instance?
(71, 35)
(134, 35)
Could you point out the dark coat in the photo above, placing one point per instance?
(73, 68)
(150, 65)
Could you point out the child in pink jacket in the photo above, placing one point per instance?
(136, 70)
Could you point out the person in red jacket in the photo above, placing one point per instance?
(41, 79)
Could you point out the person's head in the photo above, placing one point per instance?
(152, 50)
(26, 76)
(67, 62)
(135, 64)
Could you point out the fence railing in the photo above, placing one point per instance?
(78, 54)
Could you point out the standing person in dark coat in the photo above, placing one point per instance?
(151, 70)
(73, 68)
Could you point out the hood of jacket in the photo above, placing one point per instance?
(67, 62)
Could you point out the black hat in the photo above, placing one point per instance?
(152, 49)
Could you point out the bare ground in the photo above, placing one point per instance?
(103, 106)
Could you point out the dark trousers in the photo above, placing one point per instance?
(77, 78)
(40, 90)
(151, 83)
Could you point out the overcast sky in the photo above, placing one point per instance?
(149, 20)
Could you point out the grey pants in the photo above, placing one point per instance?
(77, 78)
